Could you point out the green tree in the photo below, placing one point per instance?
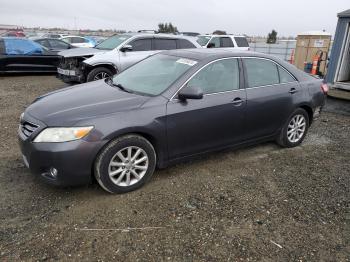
(219, 32)
(167, 28)
(272, 37)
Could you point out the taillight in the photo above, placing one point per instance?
(324, 88)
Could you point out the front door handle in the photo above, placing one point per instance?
(237, 101)
(293, 90)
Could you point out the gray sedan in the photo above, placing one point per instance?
(164, 109)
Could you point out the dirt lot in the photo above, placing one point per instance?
(258, 203)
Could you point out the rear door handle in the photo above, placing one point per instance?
(293, 90)
(237, 101)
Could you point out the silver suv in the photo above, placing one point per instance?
(116, 54)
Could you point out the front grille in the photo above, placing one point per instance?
(28, 128)
(68, 63)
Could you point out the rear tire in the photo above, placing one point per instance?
(295, 129)
(125, 164)
(98, 74)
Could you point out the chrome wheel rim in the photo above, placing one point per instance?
(101, 75)
(296, 128)
(128, 166)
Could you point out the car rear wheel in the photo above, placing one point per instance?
(99, 73)
(294, 131)
(125, 164)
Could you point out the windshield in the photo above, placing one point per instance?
(153, 75)
(203, 40)
(112, 42)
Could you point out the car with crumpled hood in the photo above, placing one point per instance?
(115, 54)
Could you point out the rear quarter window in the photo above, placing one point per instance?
(183, 43)
(241, 42)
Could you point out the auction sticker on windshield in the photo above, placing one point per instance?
(186, 61)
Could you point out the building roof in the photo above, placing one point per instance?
(345, 13)
(314, 33)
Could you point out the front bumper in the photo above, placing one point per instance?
(73, 160)
(70, 78)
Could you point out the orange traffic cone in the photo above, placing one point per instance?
(315, 64)
(292, 57)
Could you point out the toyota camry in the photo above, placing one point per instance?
(169, 107)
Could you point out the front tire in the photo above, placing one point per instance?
(98, 74)
(125, 164)
(295, 129)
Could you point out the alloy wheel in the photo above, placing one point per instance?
(296, 128)
(128, 166)
(101, 75)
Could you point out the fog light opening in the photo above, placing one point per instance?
(53, 172)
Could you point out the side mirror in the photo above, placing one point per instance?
(190, 93)
(211, 45)
(126, 48)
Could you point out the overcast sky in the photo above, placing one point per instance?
(252, 17)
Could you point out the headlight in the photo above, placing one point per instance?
(62, 134)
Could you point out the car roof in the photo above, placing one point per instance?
(222, 35)
(46, 38)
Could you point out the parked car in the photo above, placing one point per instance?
(79, 41)
(53, 44)
(24, 55)
(13, 34)
(190, 33)
(164, 109)
(215, 41)
(54, 35)
(116, 54)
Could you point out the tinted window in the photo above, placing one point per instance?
(285, 77)
(216, 77)
(78, 40)
(141, 45)
(261, 72)
(58, 44)
(44, 42)
(241, 42)
(215, 41)
(226, 42)
(183, 43)
(164, 44)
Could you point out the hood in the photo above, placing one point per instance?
(82, 51)
(67, 106)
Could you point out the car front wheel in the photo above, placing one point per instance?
(125, 164)
(98, 74)
(295, 129)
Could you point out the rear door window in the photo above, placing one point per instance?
(285, 77)
(261, 72)
(141, 45)
(183, 43)
(164, 44)
(241, 42)
(226, 42)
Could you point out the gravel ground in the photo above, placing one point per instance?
(259, 203)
